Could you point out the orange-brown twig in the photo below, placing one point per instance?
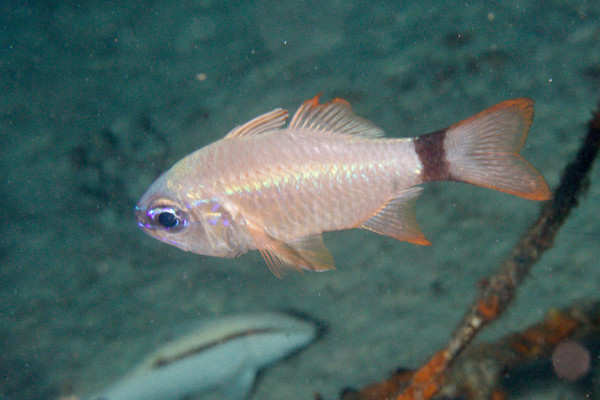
(477, 373)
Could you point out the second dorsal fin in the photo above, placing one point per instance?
(261, 124)
(335, 116)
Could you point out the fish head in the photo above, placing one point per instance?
(187, 215)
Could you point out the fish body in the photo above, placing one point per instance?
(277, 189)
(223, 354)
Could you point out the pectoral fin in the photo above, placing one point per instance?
(308, 252)
(397, 218)
(241, 387)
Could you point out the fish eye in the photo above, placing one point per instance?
(168, 218)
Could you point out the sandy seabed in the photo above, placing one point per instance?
(98, 98)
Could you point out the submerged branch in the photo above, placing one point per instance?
(478, 372)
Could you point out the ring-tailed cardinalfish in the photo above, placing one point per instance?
(277, 189)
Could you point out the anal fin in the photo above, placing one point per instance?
(396, 218)
(307, 252)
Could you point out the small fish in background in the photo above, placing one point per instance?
(223, 354)
(278, 189)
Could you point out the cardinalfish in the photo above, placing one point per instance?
(277, 189)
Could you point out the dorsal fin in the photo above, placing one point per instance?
(261, 124)
(335, 116)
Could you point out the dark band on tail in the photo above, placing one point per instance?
(432, 154)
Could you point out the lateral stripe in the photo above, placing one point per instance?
(165, 361)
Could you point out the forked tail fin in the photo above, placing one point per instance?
(483, 150)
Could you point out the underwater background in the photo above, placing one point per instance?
(99, 97)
